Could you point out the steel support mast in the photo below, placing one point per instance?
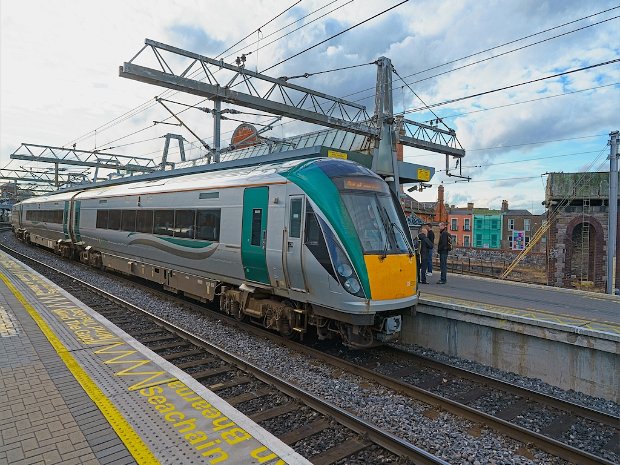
(612, 230)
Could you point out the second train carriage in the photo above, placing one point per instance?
(308, 243)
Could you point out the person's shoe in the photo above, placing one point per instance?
(429, 273)
(441, 282)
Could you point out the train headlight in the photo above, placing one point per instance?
(345, 271)
(352, 285)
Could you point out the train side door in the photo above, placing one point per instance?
(294, 243)
(254, 234)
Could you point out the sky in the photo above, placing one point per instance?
(59, 81)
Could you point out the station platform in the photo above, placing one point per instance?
(588, 310)
(75, 389)
(567, 338)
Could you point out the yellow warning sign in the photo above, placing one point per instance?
(334, 154)
(424, 174)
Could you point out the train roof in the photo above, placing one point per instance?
(248, 175)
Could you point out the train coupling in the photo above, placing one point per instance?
(390, 329)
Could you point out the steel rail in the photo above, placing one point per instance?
(384, 439)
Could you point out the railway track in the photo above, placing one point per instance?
(311, 423)
(422, 379)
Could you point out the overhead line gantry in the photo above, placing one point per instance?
(175, 68)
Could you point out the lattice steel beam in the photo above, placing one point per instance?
(45, 177)
(74, 157)
(175, 68)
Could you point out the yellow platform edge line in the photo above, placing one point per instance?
(138, 449)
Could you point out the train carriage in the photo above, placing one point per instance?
(318, 243)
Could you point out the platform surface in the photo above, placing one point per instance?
(589, 310)
(75, 389)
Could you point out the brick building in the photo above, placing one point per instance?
(460, 222)
(520, 220)
(577, 207)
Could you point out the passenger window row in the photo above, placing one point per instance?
(46, 216)
(189, 224)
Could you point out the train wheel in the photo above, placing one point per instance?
(236, 312)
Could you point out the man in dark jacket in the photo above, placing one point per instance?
(426, 248)
(442, 250)
(431, 237)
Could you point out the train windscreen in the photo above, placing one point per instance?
(372, 210)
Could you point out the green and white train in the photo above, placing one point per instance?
(317, 244)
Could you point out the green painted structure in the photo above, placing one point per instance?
(487, 228)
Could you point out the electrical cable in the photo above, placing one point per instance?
(495, 47)
(307, 75)
(148, 104)
(523, 159)
(456, 115)
(512, 86)
(335, 35)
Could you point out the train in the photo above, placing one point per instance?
(316, 245)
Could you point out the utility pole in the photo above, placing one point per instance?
(612, 229)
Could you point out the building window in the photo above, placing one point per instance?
(466, 241)
(467, 226)
(478, 240)
(510, 242)
(454, 240)
(526, 225)
(511, 225)
(454, 224)
(527, 240)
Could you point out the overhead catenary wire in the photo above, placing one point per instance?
(493, 48)
(521, 160)
(142, 107)
(512, 86)
(562, 94)
(335, 35)
(145, 106)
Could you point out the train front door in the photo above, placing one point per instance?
(254, 234)
(294, 243)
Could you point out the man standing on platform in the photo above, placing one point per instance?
(425, 250)
(431, 237)
(443, 247)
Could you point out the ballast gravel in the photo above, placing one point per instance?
(453, 439)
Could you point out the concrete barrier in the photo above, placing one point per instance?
(565, 355)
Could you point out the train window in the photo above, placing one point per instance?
(59, 214)
(144, 221)
(208, 225)
(257, 221)
(184, 223)
(315, 241)
(102, 219)
(114, 219)
(163, 223)
(128, 220)
(209, 195)
(295, 218)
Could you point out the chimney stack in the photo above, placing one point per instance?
(470, 205)
(504, 205)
